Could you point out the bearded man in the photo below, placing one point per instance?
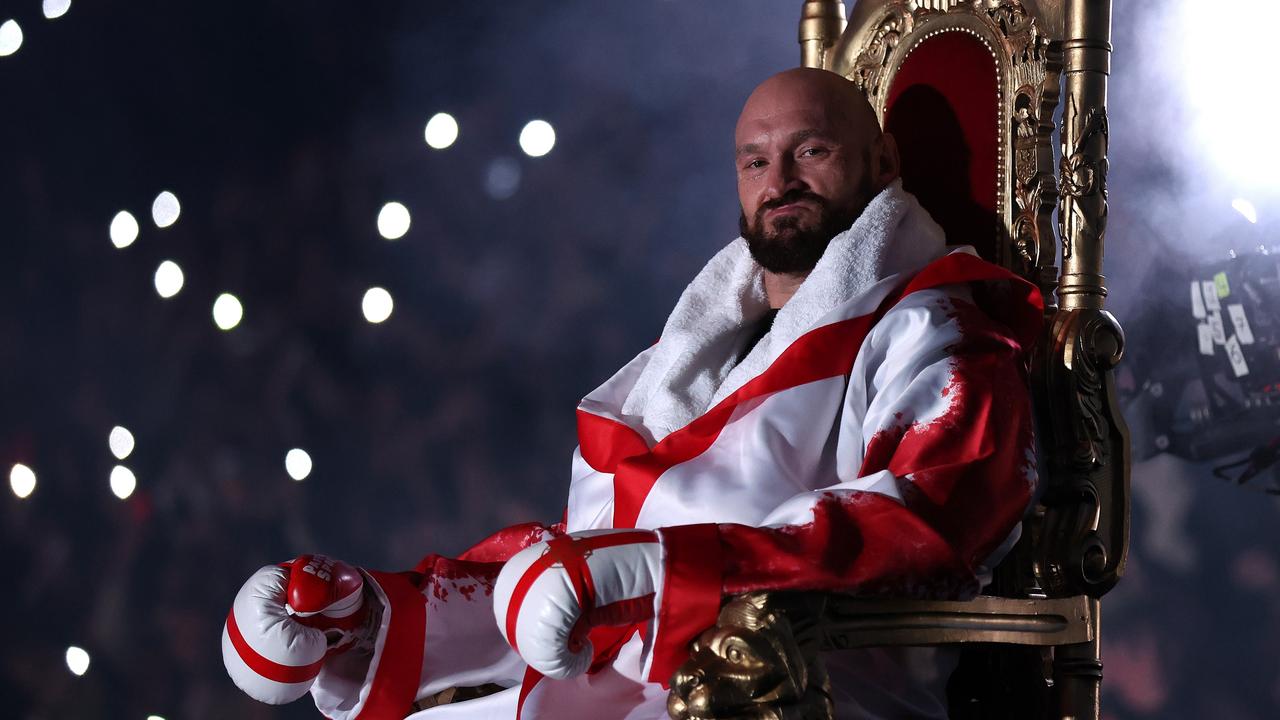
(838, 402)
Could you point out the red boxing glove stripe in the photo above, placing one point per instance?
(571, 553)
(269, 669)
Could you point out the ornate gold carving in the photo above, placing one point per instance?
(1084, 177)
(756, 664)
(870, 67)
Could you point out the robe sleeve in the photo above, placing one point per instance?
(436, 631)
(934, 470)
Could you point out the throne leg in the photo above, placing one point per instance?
(1077, 676)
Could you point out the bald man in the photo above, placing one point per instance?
(837, 403)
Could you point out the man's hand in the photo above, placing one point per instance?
(549, 595)
(286, 620)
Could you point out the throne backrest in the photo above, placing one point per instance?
(969, 89)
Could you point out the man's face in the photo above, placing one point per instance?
(803, 176)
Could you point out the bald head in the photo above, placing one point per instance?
(810, 156)
(811, 89)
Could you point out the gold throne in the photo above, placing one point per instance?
(970, 88)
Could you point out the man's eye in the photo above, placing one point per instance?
(813, 152)
(755, 164)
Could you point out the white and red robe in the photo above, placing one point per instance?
(878, 441)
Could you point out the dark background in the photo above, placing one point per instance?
(282, 128)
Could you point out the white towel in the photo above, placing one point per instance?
(694, 364)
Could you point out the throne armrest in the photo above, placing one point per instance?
(762, 658)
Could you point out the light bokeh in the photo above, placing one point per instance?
(121, 442)
(441, 131)
(393, 221)
(124, 229)
(537, 138)
(22, 480)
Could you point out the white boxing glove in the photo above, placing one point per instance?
(549, 595)
(286, 620)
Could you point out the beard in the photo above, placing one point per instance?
(791, 247)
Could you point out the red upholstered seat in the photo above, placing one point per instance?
(942, 109)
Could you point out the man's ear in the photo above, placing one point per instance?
(886, 165)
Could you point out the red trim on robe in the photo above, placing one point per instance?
(395, 680)
(690, 594)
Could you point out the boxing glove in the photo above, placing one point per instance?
(286, 620)
(549, 595)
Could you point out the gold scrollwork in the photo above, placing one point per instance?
(754, 664)
(872, 63)
(1083, 175)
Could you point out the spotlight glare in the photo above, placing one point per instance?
(123, 482)
(54, 9)
(1226, 111)
(124, 229)
(297, 463)
(154, 717)
(393, 221)
(376, 305)
(441, 131)
(10, 38)
(537, 138)
(22, 480)
(120, 441)
(77, 660)
(165, 209)
(227, 311)
(1246, 208)
(168, 279)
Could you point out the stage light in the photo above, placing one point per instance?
(54, 9)
(168, 279)
(441, 131)
(502, 178)
(165, 209)
(1228, 111)
(123, 482)
(393, 221)
(297, 463)
(1246, 208)
(377, 305)
(120, 441)
(227, 311)
(124, 229)
(22, 480)
(154, 717)
(10, 38)
(77, 660)
(537, 138)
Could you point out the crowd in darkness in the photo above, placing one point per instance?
(282, 137)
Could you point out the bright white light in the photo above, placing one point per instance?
(123, 482)
(54, 9)
(441, 131)
(1230, 115)
(376, 305)
(22, 480)
(124, 229)
(168, 279)
(120, 441)
(10, 38)
(393, 221)
(537, 138)
(227, 311)
(165, 209)
(154, 717)
(77, 660)
(297, 463)
(1246, 208)
(502, 179)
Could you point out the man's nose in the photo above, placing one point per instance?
(781, 178)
